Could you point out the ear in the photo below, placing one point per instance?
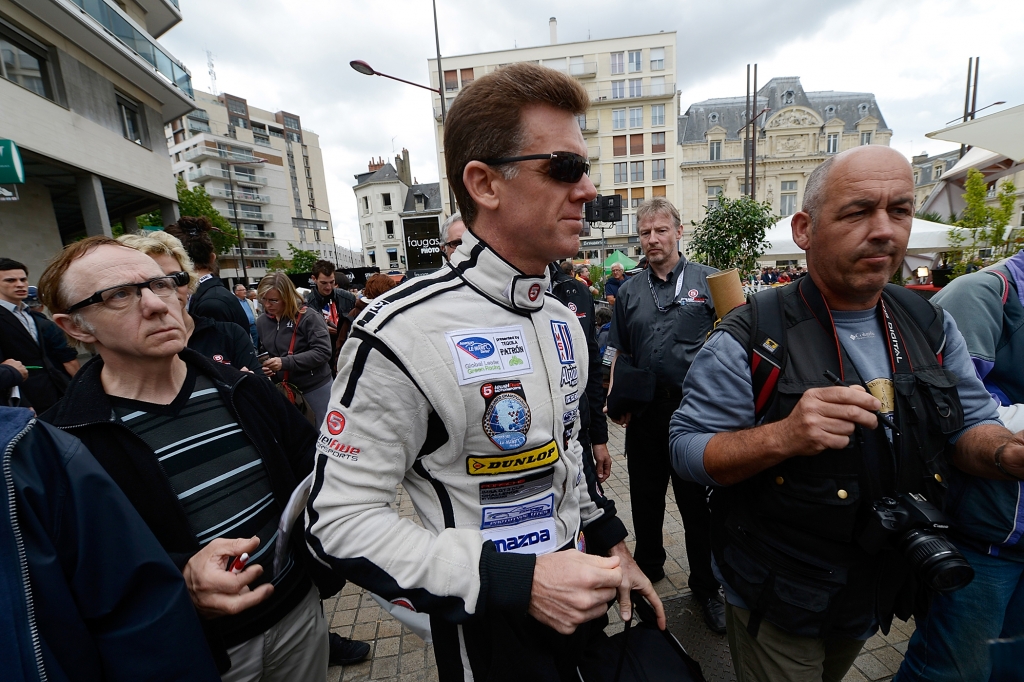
(801, 226)
(68, 326)
(481, 182)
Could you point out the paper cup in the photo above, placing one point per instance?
(726, 291)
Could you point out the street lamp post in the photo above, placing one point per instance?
(313, 207)
(234, 211)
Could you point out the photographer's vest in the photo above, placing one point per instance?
(785, 540)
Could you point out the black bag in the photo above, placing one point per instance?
(641, 653)
(632, 389)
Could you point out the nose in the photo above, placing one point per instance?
(882, 229)
(152, 304)
(584, 190)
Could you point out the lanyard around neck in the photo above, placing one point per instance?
(675, 298)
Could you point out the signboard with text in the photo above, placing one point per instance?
(12, 172)
(423, 243)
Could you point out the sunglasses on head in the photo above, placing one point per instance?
(564, 166)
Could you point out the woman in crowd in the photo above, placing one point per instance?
(297, 340)
(221, 341)
(376, 285)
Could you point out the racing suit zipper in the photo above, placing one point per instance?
(33, 629)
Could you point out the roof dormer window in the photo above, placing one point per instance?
(788, 97)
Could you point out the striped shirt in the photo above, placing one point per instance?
(217, 475)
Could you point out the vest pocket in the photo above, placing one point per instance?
(940, 385)
(823, 505)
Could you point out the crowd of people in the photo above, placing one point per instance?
(838, 448)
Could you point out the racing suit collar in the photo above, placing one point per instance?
(496, 278)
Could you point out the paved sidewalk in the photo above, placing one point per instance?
(397, 654)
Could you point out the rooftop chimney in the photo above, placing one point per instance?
(376, 165)
(553, 28)
(404, 169)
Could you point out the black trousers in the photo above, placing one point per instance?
(649, 466)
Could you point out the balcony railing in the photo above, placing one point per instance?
(262, 141)
(647, 90)
(256, 216)
(202, 173)
(199, 114)
(266, 253)
(256, 234)
(308, 224)
(203, 151)
(590, 125)
(239, 196)
(199, 126)
(113, 19)
(584, 70)
(594, 152)
(596, 179)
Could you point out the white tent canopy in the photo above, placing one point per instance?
(926, 237)
(1002, 132)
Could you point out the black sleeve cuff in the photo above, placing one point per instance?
(506, 580)
(604, 533)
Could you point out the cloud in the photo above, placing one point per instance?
(294, 55)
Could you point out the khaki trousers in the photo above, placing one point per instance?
(295, 649)
(778, 656)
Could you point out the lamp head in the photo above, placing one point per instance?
(362, 67)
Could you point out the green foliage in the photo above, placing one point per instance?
(935, 217)
(301, 262)
(732, 234)
(277, 264)
(597, 275)
(196, 202)
(981, 225)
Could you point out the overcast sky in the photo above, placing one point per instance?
(294, 55)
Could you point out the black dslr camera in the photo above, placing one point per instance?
(604, 209)
(913, 525)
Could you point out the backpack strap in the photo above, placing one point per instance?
(766, 351)
(927, 315)
(291, 346)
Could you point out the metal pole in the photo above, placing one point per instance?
(746, 138)
(441, 92)
(967, 99)
(753, 144)
(974, 97)
(238, 228)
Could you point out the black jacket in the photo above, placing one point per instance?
(212, 299)
(44, 387)
(225, 343)
(284, 438)
(343, 300)
(81, 573)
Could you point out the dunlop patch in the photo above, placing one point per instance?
(488, 465)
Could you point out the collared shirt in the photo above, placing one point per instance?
(22, 314)
(664, 343)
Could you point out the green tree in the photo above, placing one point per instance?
(196, 202)
(935, 217)
(981, 225)
(277, 264)
(732, 234)
(301, 262)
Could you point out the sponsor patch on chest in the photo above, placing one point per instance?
(506, 418)
(527, 460)
(534, 537)
(515, 514)
(491, 353)
(515, 489)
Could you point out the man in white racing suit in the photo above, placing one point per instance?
(464, 387)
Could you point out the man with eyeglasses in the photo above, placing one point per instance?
(464, 386)
(451, 234)
(659, 323)
(208, 455)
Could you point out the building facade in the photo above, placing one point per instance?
(798, 132)
(629, 130)
(264, 172)
(85, 90)
(928, 170)
(399, 219)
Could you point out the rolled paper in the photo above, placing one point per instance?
(726, 291)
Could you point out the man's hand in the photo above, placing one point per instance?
(602, 461)
(621, 421)
(271, 365)
(634, 579)
(976, 450)
(18, 366)
(216, 591)
(825, 418)
(571, 588)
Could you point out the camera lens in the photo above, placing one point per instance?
(936, 560)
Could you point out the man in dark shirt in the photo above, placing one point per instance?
(616, 280)
(334, 303)
(660, 321)
(213, 460)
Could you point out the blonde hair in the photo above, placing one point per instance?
(657, 206)
(158, 243)
(289, 295)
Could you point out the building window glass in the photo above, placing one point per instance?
(938, 172)
(787, 204)
(636, 117)
(636, 145)
(620, 171)
(636, 171)
(833, 143)
(658, 169)
(715, 151)
(128, 112)
(618, 89)
(451, 80)
(576, 65)
(635, 63)
(636, 88)
(582, 120)
(373, 257)
(467, 76)
(658, 85)
(622, 227)
(385, 200)
(657, 58)
(618, 119)
(865, 137)
(657, 143)
(291, 122)
(657, 114)
(369, 232)
(24, 66)
(714, 191)
(237, 107)
(389, 228)
(619, 145)
(366, 206)
(617, 63)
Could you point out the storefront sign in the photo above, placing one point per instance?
(423, 243)
(11, 170)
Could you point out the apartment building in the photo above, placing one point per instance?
(630, 128)
(85, 90)
(264, 173)
(928, 170)
(399, 219)
(798, 132)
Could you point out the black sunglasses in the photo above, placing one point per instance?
(453, 244)
(564, 166)
(118, 297)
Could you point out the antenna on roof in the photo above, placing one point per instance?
(212, 72)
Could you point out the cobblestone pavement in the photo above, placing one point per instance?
(397, 654)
